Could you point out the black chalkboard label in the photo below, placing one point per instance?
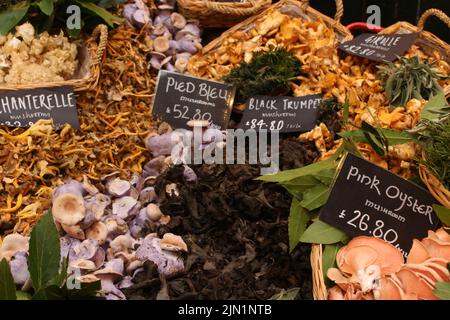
(369, 200)
(379, 47)
(180, 98)
(284, 114)
(24, 107)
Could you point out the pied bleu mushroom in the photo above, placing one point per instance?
(98, 231)
(173, 48)
(128, 10)
(115, 226)
(86, 249)
(134, 265)
(161, 144)
(87, 278)
(67, 245)
(89, 187)
(178, 21)
(111, 273)
(141, 18)
(172, 242)
(126, 282)
(118, 188)
(68, 203)
(95, 209)
(83, 265)
(168, 262)
(156, 59)
(189, 174)
(161, 44)
(189, 29)
(125, 207)
(155, 167)
(160, 30)
(19, 268)
(153, 212)
(188, 44)
(13, 243)
(74, 231)
(122, 243)
(99, 257)
(147, 195)
(181, 64)
(170, 67)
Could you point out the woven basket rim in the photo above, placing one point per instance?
(95, 53)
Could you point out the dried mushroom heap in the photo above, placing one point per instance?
(114, 118)
(29, 58)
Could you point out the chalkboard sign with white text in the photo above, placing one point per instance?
(284, 114)
(369, 200)
(180, 98)
(379, 47)
(22, 108)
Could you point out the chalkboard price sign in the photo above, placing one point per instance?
(180, 98)
(369, 200)
(282, 113)
(24, 107)
(379, 47)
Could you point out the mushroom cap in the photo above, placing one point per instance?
(172, 242)
(74, 231)
(118, 187)
(158, 55)
(443, 235)
(98, 231)
(85, 249)
(82, 264)
(418, 253)
(413, 284)
(98, 204)
(88, 278)
(389, 257)
(161, 44)
(89, 187)
(124, 207)
(133, 265)
(19, 268)
(113, 269)
(335, 293)
(153, 212)
(388, 290)
(99, 257)
(68, 209)
(437, 248)
(121, 243)
(13, 243)
(126, 282)
(178, 20)
(351, 260)
(147, 194)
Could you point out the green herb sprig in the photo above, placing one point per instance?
(409, 78)
(269, 73)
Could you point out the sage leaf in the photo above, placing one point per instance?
(7, 286)
(329, 257)
(320, 232)
(44, 258)
(289, 294)
(12, 16)
(298, 218)
(316, 197)
(326, 176)
(46, 6)
(23, 295)
(393, 137)
(443, 214)
(299, 185)
(435, 107)
(442, 290)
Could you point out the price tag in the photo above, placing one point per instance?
(180, 98)
(284, 114)
(24, 107)
(379, 47)
(369, 200)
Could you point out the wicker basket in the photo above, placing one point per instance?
(90, 55)
(427, 41)
(214, 14)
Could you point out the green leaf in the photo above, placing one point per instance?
(46, 6)
(345, 112)
(298, 218)
(87, 291)
(289, 294)
(436, 106)
(442, 290)
(393, 137)
(23, 295)
(61, 277)
(329, 257)
(326, 176)
(52, 292)
(443, 214)
(316, 197)
(109, 3)
(320, 232)
(299, 185)
(44, 258)
(12, 16)
(109, 18)
(374, 138)
(7, 286)
(312, 169)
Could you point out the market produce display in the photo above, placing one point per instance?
(122, 208)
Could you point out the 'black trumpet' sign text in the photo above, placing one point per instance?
(22, 108)
(180, 98)
(284, 114)
(369, 200)
(379, 47)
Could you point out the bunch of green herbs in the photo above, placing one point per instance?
(409, 78)
(268, 73)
